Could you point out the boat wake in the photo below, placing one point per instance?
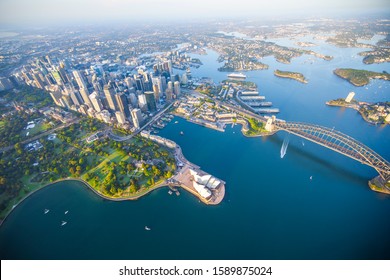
(283, 150)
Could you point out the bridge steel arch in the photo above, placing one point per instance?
(339, 142)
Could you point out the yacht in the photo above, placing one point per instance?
(47, 211)
(66, 212)
(147, 228)
(63, 223)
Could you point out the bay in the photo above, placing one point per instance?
(272, 210)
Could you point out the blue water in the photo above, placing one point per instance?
(272, 210)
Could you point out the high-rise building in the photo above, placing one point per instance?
(137, 118)
(122, 103)
(176, 88)
(79, 79)
(96, 102)
(85, 95)
(170, 86)
(109, 92)
(150, 101)
(120, 117)
(184, 79)
(156, 92)
(142, 102)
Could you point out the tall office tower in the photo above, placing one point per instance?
(148, 85)
(109, 92)
(120, 117)
(38, 81)
(156, 92)
(163, 86)
(139, 83)
(75, 96)
(142, 102)
(96, 103)
(123, 105)
(176, 88)
(167, 65)
(150, 101)
(137, 118)
(85, 95)
(63, 74)
(170, 86)
(56, 76)
(184, 79)
(79, 79)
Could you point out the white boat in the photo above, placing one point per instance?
(66, 212)
(311, 178)
(181, 133)
(236, 76)
(46, 211)
(63, 223)
(147, 228)
(176, 122)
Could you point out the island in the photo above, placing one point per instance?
(291, 75)
(359, 78)
(374, 113)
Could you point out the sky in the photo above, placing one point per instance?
(87, 11)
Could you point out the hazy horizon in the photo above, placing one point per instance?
(54, 12)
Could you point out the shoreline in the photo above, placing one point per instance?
(353, 107)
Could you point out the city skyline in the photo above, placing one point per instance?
(45, 12)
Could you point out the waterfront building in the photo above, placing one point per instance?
(137, 118)
(150, 101)
(349, 97)
(199, 184)
(96, 102)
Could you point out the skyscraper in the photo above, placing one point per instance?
(109, 92)
(96, 103)
(150, 101)
(79, 79)
(122, 103)
(142, 102)
(176, 88)
(137, 118)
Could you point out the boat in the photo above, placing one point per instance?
(181, 133)
(147, 228)
(236, 76)
(311, 178)
(170, 192)
(66, 212)
(47, 211)
(63, 223)
(176, 122)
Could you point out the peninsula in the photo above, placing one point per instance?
(359, 78)
(375, 113)
(290, 75)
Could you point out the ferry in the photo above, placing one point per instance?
(236, 76)
(47, 211)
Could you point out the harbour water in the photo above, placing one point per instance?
(272, 209)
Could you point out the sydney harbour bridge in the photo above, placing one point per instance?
(329, 138)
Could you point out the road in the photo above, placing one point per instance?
(155, 118)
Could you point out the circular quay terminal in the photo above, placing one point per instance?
(167, 139)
